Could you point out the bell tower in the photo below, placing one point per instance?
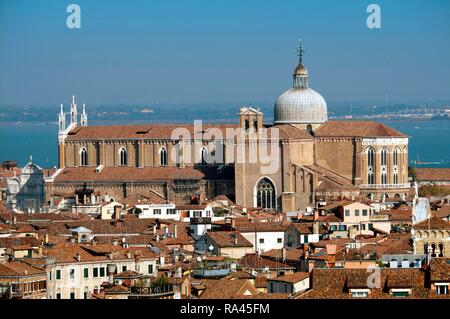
(250, 119)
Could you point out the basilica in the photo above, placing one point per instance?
(313, 159)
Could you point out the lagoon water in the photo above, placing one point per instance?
(429, 142)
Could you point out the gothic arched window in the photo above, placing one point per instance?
(265, 194)
(384, 166)
(163, 156)
(440, 250)
(370, 166)
(123, 156)
(83, 157)
(395, 165)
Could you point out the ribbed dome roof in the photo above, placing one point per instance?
(300, 105)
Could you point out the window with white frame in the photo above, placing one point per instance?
(442, 288)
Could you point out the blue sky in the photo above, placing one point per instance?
(223, 51)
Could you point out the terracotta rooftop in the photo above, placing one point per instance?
(292, 254)
(440, 269)
(18, 268)
(227, 289)
(136, 174)
(19, 241)
(432, 174)
(433, 223)
(356, 129)
(252, 261)
(67, 253)
(227, 239)
(292, 278)
(260, 226)
(336, 283)
(308, 228)
(164, 131)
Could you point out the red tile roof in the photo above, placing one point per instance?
(433, 223)
(432, 174)
(124, 174)
(356, 129)
(227, 239)
(292, 278)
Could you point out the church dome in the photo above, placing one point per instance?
(300, 105)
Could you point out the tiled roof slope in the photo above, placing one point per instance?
(356, 129)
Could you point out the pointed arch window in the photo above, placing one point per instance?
(370, 166)
(265, 194)
(163, 156)
(384, 166)
(83, 157)
(395, 165)
(123, 156)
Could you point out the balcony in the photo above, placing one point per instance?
(384, 186)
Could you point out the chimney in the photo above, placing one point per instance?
(331, 249)
(175, 231)
(233, 223)
(111, 268)
(116, 212)
(283, 254)
(128, 255)
(310, 265)
(179, 272)
(110, 256)
(78, 257)
(46, 239)
(316, 215)
(305, 251)
(40, 251)
(157, 238)
(123, 241)
(235, 239)
(154, 229)
(166, 230)
(14, 220)
(316, 228)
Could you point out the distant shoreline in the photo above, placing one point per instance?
(132, 121)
